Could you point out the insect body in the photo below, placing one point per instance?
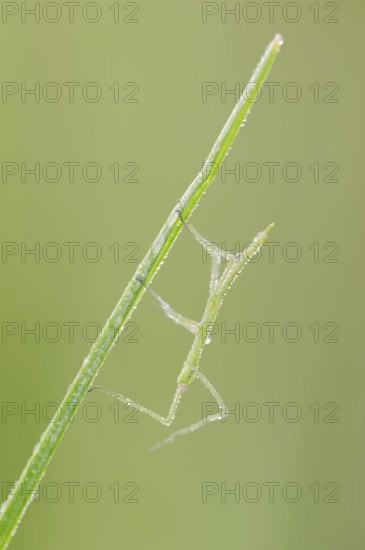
(219, 285)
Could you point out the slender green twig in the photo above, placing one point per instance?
(25, 489)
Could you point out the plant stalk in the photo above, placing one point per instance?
(24, 491)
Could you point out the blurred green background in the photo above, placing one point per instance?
(168, 53)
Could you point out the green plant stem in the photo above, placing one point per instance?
(25, 489)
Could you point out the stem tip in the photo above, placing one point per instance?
(278, 40)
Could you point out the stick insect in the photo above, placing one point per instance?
(218, 287)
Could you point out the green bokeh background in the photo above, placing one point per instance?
(168, 132)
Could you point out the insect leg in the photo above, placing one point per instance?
(189, 324)
(223, 411)
(211, 248)
(165, 420)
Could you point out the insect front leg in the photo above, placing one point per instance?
(189, 324)
(212, 249)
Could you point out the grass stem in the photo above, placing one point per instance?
(24, 491)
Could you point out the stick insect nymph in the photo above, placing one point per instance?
(218, 287)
